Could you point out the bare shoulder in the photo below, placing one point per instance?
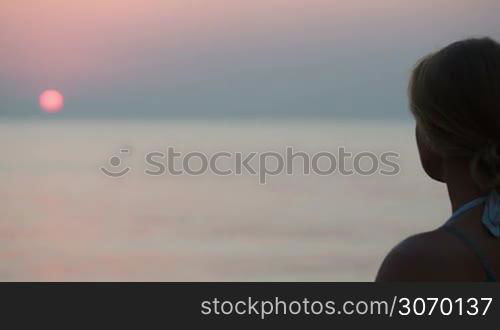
(429, 256)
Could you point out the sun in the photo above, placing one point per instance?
(51, 101)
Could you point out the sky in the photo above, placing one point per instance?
(225, 58)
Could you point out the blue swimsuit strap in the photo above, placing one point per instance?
(473, 245)
(467, 206)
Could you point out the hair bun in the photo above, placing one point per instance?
(486, 166)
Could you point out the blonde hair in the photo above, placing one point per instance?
(455, 98)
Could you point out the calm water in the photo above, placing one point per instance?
(62, 219)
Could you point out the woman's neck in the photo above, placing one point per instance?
(461, 186)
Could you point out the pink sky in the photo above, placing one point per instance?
(83, 45)
(71, 37)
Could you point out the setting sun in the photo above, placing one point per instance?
(51, 101)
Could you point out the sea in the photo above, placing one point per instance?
(63, 219)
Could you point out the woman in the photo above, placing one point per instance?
(455, 99)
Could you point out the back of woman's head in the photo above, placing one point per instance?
(455, 98)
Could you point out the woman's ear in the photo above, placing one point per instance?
(431, 161)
